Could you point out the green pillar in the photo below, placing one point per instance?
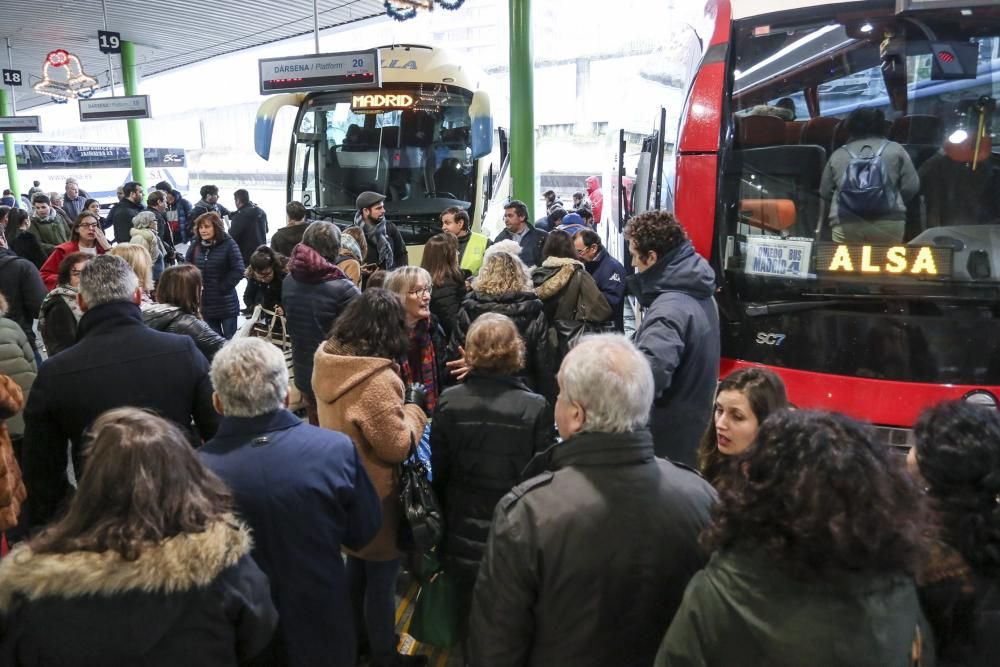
(130, 78)
(522, 105)
(8, 150)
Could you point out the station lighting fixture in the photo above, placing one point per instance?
(404, 10)
(76, 84)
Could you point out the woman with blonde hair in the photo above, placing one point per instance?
(504, 286)
(483, 434)
(138, 258)
(148, 566)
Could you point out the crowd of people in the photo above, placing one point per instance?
(606, 500)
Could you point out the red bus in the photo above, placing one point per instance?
(877, 327)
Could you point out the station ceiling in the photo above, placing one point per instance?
(168, 34)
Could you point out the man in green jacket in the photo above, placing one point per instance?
(47, 225)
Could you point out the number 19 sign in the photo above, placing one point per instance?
(324, 71)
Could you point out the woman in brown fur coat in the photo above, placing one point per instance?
(12, 492)
(359, 392)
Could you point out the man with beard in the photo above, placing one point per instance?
(386, 248)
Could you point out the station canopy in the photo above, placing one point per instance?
(167, 35)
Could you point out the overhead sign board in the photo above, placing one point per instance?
(109, 42)
(324, 71)
(115, 108)
(20, 124)
(12, 77)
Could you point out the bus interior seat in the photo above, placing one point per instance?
(820, 131)
(389, 136)
(779, 171)
(417, 130)
(793, 131)
(456, 137)
(921, 136)
(451, 178)
(956, 194)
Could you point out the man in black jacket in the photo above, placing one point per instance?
(117, 361)
(531, 240)
(22, 285)
(209, 202)
(587, 561)
(125, 210)
(248, 225)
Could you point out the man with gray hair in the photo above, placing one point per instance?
(304, 493)
(313, 294)
(116, 362)
(587, 561)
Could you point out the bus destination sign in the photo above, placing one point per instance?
(782, 258)
(376, 102)
(324, 71)
(872, 259)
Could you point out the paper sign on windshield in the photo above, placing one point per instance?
(772, 256)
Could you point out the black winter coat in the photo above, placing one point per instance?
(268, 295)
(121, 219)
(446, 301)
(526, 309)
(24, 290)
(248, 228)
(587, 562)
(26, 245)
(195, 599)
(164, 317)
(222, 269)
(484, 433)
(116, 361)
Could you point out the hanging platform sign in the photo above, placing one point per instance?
(115, 108)
(324, 71)
(10, 124)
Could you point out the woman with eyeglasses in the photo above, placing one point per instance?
(86, 237)
(60, 313)
(425, 358)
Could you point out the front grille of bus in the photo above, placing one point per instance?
(901, 438)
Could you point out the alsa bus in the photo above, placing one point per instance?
(425, 139)
(98, 168)
(876, 330)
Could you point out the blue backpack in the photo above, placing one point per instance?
(867, 192)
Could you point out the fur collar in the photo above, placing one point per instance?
(175, 565)
(560, 270)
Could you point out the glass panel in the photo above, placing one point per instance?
(896, 176)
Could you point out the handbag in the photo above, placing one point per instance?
(422, 524)
(435, 614)
(570, 332)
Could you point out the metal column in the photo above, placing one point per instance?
(8, 149)
(522, 105)
(130, 78)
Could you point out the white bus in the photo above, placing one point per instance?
(425, 139)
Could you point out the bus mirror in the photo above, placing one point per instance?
(482, 125)
(264, 125)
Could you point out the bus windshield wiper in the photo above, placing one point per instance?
(782, 307)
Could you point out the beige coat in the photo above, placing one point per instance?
(362, 397)
(12, 492)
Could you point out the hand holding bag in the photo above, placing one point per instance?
(422, 525)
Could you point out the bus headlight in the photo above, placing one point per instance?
(981, 397)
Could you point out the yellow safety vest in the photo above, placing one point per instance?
(474, 251)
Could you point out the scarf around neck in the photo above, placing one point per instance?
(422, 352)
(379, 236)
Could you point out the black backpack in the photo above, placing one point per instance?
(867, 192)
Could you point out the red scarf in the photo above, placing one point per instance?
(422, 352)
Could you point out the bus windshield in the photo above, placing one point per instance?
(410, 142)
(863, 154)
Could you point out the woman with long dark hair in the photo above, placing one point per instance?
(956, 458)
(359, 392)
(178, 309)
(815, 546)
(218, 258)
(440, 260)
(85, 237)
(60, 313)
(744, 399)
(148, 566)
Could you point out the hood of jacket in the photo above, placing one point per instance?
(337, 370)
(159, 316)
(680, 270)
(52, 217)
(593, 184)
(177, 564)
(553, 275)
(515, 305)
(308, 266)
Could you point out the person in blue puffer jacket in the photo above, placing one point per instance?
(218, 258)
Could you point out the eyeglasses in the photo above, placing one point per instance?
(89, 224)
(76, 272)
(420, 291)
